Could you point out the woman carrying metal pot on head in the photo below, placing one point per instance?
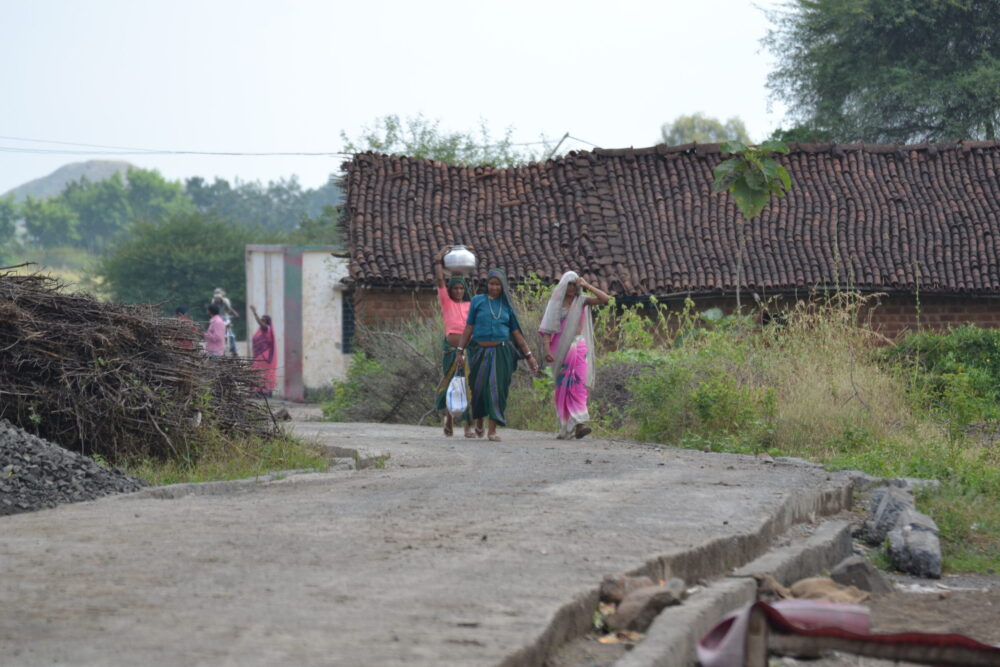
(568, 333)
(454, 296)
(491, 331)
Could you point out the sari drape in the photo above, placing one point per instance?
(490, 372)
(572, 349)
(265, 358)
(570, 379)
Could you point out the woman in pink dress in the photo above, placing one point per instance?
(569, 336)
(265, 353)
(454, 296)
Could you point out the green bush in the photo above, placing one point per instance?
(955, 373)
(697, 392)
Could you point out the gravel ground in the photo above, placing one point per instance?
(36, 474)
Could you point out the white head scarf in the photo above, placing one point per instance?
(570, 326)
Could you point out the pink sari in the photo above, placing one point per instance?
(571, 380)
(265, 358)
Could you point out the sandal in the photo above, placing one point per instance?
(493, 437)
(581, 430)
(468, 433)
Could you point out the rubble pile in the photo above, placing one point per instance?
(35, 474)
(115, 379)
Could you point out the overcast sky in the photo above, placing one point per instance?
(290, 75)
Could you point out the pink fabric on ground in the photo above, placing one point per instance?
(570, 386)
(215, 337)
(454, 313)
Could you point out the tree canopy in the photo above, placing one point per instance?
(422, 138)
(703, 129)
(281, 205)
(886, 71)
(178, 261)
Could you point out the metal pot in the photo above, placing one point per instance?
(460, 260)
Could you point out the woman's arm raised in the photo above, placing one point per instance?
(599, 299)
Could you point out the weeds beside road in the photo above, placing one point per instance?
(224, 458)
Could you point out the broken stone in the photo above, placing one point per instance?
(60, 476)
(914, 546)
(886, 505)
(615, 587)
(641, 606)
(859, 572)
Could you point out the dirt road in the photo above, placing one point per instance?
(457, 552)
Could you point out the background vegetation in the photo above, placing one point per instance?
(885, 71)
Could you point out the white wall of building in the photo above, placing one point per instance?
(319, 308)
(322, 313)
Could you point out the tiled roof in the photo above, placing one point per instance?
(645, 221)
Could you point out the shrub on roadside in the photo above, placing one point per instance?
(956, 374)
(392, 377)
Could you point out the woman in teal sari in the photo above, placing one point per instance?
(490, 333)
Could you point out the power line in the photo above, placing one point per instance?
(100, 149)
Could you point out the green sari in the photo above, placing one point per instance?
(490, 371)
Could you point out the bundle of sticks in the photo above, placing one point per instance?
(115, 379)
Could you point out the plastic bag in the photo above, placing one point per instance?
(457, 398)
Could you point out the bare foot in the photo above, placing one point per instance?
(447, 426)
(493, 437)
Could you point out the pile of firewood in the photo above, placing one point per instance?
(115, 379)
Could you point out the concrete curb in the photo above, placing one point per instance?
(713, 559)
(672, 637)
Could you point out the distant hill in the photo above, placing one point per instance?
(53, 184)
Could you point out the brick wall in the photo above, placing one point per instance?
(893, 316)
(377, 306)
(896, 316)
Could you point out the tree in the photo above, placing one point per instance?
(702, 129)
(93, 214)
(323, 229)
(279, 206)
(50, 222)
(178, 262)
(152, 197)
(422, 138)
(886, 71)
(751, 176)
(101, 207)
(8, 217)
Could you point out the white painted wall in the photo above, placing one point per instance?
(322, 326)
(322, 303)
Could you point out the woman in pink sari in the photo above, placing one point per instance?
(569, 336)
(265, 353)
